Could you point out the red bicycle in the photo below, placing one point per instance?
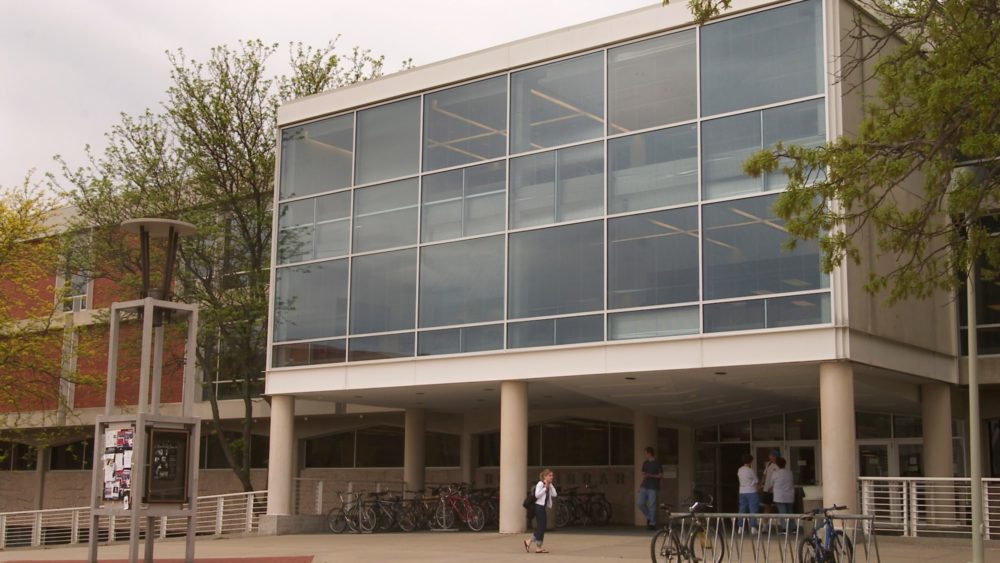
(454, 502)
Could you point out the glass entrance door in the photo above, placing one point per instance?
(873, 460)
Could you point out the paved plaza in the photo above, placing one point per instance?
(613, 544)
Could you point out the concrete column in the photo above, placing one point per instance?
(935, 406)
(836, 400)
(643, 436)
(465, 452)
(513, 455)
(42, 455)
(281, 459)
(685, 465)
(414, 449)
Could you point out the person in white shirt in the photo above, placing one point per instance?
(767, 494)
(749, 498)
(784, 489)
(545, 491)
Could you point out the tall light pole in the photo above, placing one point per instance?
(975, 450)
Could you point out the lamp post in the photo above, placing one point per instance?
(975, 450)
(146, 463)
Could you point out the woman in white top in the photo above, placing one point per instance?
(545, 491)
(749, 498)
(784, 488)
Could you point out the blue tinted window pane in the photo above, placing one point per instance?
(314, 228)
(653, 258)
(465, 202)
(552, 332)
(656, 323)
(310, 353)
(465, 124)
(461, 282)
(557, 186)
(762, 58)
(802, 124)
(796, 310)
(382, 347)
(726, 144)
(317, 157)
(654, 169)
(652, 82)
(556, 271)
(558, 103)
(333, 225)
(736, 315)
(310, 301)
(459, 340)
(385, 216)
(744, 253)
(388, 141)
(295, 231)
(383, 291)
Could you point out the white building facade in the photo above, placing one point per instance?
(546, 254)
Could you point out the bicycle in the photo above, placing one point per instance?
(352, 513)
(698, 542)
(455, 502)
(832, 547)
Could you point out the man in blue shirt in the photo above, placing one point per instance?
(652, 472)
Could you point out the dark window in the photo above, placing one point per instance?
(380, 446)
(336, 450)
(78, 455)
(442, 449)
(489, 449)
(668, 446)
(622, 444)
(873, 425)
(802, 425)
(575, 442)
(25, 457)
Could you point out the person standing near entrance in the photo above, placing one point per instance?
(784, 490)
(652, 472)
(767, 496)
(545, 491)
(749, 498)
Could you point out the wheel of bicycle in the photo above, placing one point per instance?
(404, 519)
(351, 517)
(808, 550)
(843, 549)
(563, 514)
(476, 519)
(600, 513)
(367, 520)
(385, 518)
(444, 517)
(492, 512)
(335, 521)
(706, 545)
(665, 548)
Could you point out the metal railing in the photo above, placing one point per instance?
(235, 513)
(761, 538)
(926, 506)
(317, 496)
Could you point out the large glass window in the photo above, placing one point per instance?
(383, 292)
(556, 271)
(309, 353)
(380, 446)
(557, 186)
(314, 228)
(557, 103)
(652, 83)
(465, 124)
(310, 301)
(336, 450)
(653, 258)
(774, 312)
(762, 58)
(556, 332)
(317, 157)
(385, 216)
(388, 141)
(744, 253)
(655, 323)
(480, 338)
(465, 202)
(461, 282)
(654, 169)
(381, 347)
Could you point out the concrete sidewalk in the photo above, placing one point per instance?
(612, 544)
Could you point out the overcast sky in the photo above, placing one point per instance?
(68, 68)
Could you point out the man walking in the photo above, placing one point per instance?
(652, 472)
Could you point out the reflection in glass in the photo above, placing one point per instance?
(744, 254)
(653, 258)
(465, 124)
(794, 310)
(388, 141)
(557, 103)
(464, 202)
(383, 291)
(907, 426)
(458, 340)
(310, 353)
(333, 225)
(310, 301)
(802, 425)
(768, 428)
(726, 144)
(385, 216)
(295, 231)
(381, 347)
(314, 228)
(873, 425)
(552, 332)
(461, 282)
(656, 323)
(557, 186)
(556, 271)
(654, 169)
(802, 124)
(317, 157)
(652, 83)
(762, 58)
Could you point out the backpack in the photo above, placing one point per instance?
(530, 499)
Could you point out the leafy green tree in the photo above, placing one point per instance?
(209, 158)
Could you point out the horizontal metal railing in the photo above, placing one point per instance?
(317, 496)
(926, 506)
(235, 513)
(762, 538)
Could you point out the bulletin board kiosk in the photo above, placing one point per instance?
(146, 462)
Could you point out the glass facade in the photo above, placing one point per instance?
(595, 198)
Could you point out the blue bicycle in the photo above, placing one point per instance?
(825, 544)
